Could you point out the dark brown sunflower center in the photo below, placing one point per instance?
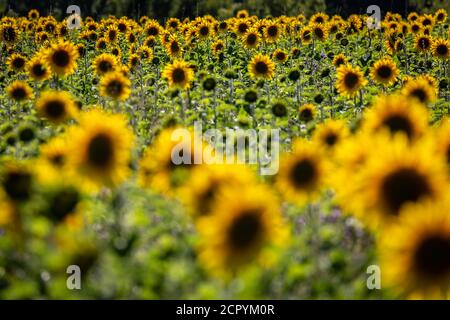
(61, 58)
(432, 256)
(18, 63)
(178, 75)
(63, 203)
(174, 47)
(331, 139)
(261, 67)
(57, 160)
(306, 114)
(55, 109)
(38, 70)
(100, 151)
(105, 66)
(19, 94)
(303, 173)
(280, 56)
(442, 50)
(402, 186)
(114, 88)
(242, 27)
(204, 31)
(17, 185)
(251, 39)
(351, 80)
(152, 31)
(424, 43)
(384, 72)
(272, 31)
(399, 123)
(420, 94)
(245, 230)
(318, 33)
(9, 34)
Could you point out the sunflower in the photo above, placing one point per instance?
(302, 173)
(179, 74)
(33, 14)
(397, 115)
(218, 47)
(174, 48)
(17, 181)
(207, 182)
(104, 63)
(421, 90)
(441, 16)
(318, 18)
(306, 35)
(272, 32)
(173, 23)
(416, 28)
(330, 134)
(427, 20)
(101, 44)
(61, 57)
(320, 31)
(204, 30)
(339, 60)
(241, 26)
(133, 61)
(116, 86)
(349, 80)
(280, 56)
(261, 67)
(152, 28)
(395, 175)
(251, 38)
(423, 42)
(17, 62)
(38, 69)
(384, 71)
(441, 48)
(243, 228)
(52, 162)
(9, 34)
(56, 106)
(100, 149)
(19, 91)
(420, 246)
(307, 112)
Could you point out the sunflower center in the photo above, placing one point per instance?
(432, 256)
(424, 43)
(54, 109)
(242, 27)
(319, 33)
(178, 75)
(384, 72)
(402, 186)
(306, 114)
(204, 31)
(351, 80)
(19, 94)
(105, 66)
(281, 56)
(61, 58)
(57, 160)
(64, 203)
(100, 150)
(331, 139)
(419, 94)
(9, 34)
(442, 50)
(272, 31)
(245, 230)
(398, 123)
(152, 31)
(261, 67)
(251, 39)
(114, 88)
(174, 47)
(38, 70)
(18, 185)
(303, 173)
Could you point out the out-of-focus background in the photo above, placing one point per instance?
(161, 9)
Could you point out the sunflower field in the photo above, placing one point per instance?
(87, 177)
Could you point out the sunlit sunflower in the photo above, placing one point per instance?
(173, 23)
(251, 38)
(38, 69)
(307, 112)
(33, 14)
(9, 34)
(100, 149)
(272, 32)
(280, 56)
(397, 174)
(397, 114)
(243, 228)
(339, 60)
(302, 173)
(241, 26)
(19, 91)
(421, 90)
(104, 63)
(319, 17)
(56, 106)
(261, 67)
(116, 86)
(427, 20)
(441, 48)
(17, 62)
(423, 42)
(204, 30)
(329, 134)
(349, 80)
(218, 47)
(52, 162)
(306, 35)
(179, 74)
(441, 16)
(152, 28)
(384, 71)
(62, 57)
(319, 31)
(208, 181)
(420, 246)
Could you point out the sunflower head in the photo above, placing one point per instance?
(62, 57)
(179, 74)
(105, 63)
(116, 86)
(384, 71)
(441, 49)
(19, 91)
(421, 90)
(261, 67)
(349, 80)
(307, 112)
(17, 62)
(56, 106)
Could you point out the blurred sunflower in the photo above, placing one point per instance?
(19, 91)
(261, 67)
(16, 62)
(280, 56)
(56, 106)
(38, 69)
(441, 16)
(384, 71)
(17, 180)
(9, 34)
(349, 80)
(329, 134)
(251, 38)
(339, 60)
(272, 32)
(116, 86)
(104, 63)
(52, 162)
(244, 226)
(307, 112)
(179, 74)
(420, 246)
(421, 90)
